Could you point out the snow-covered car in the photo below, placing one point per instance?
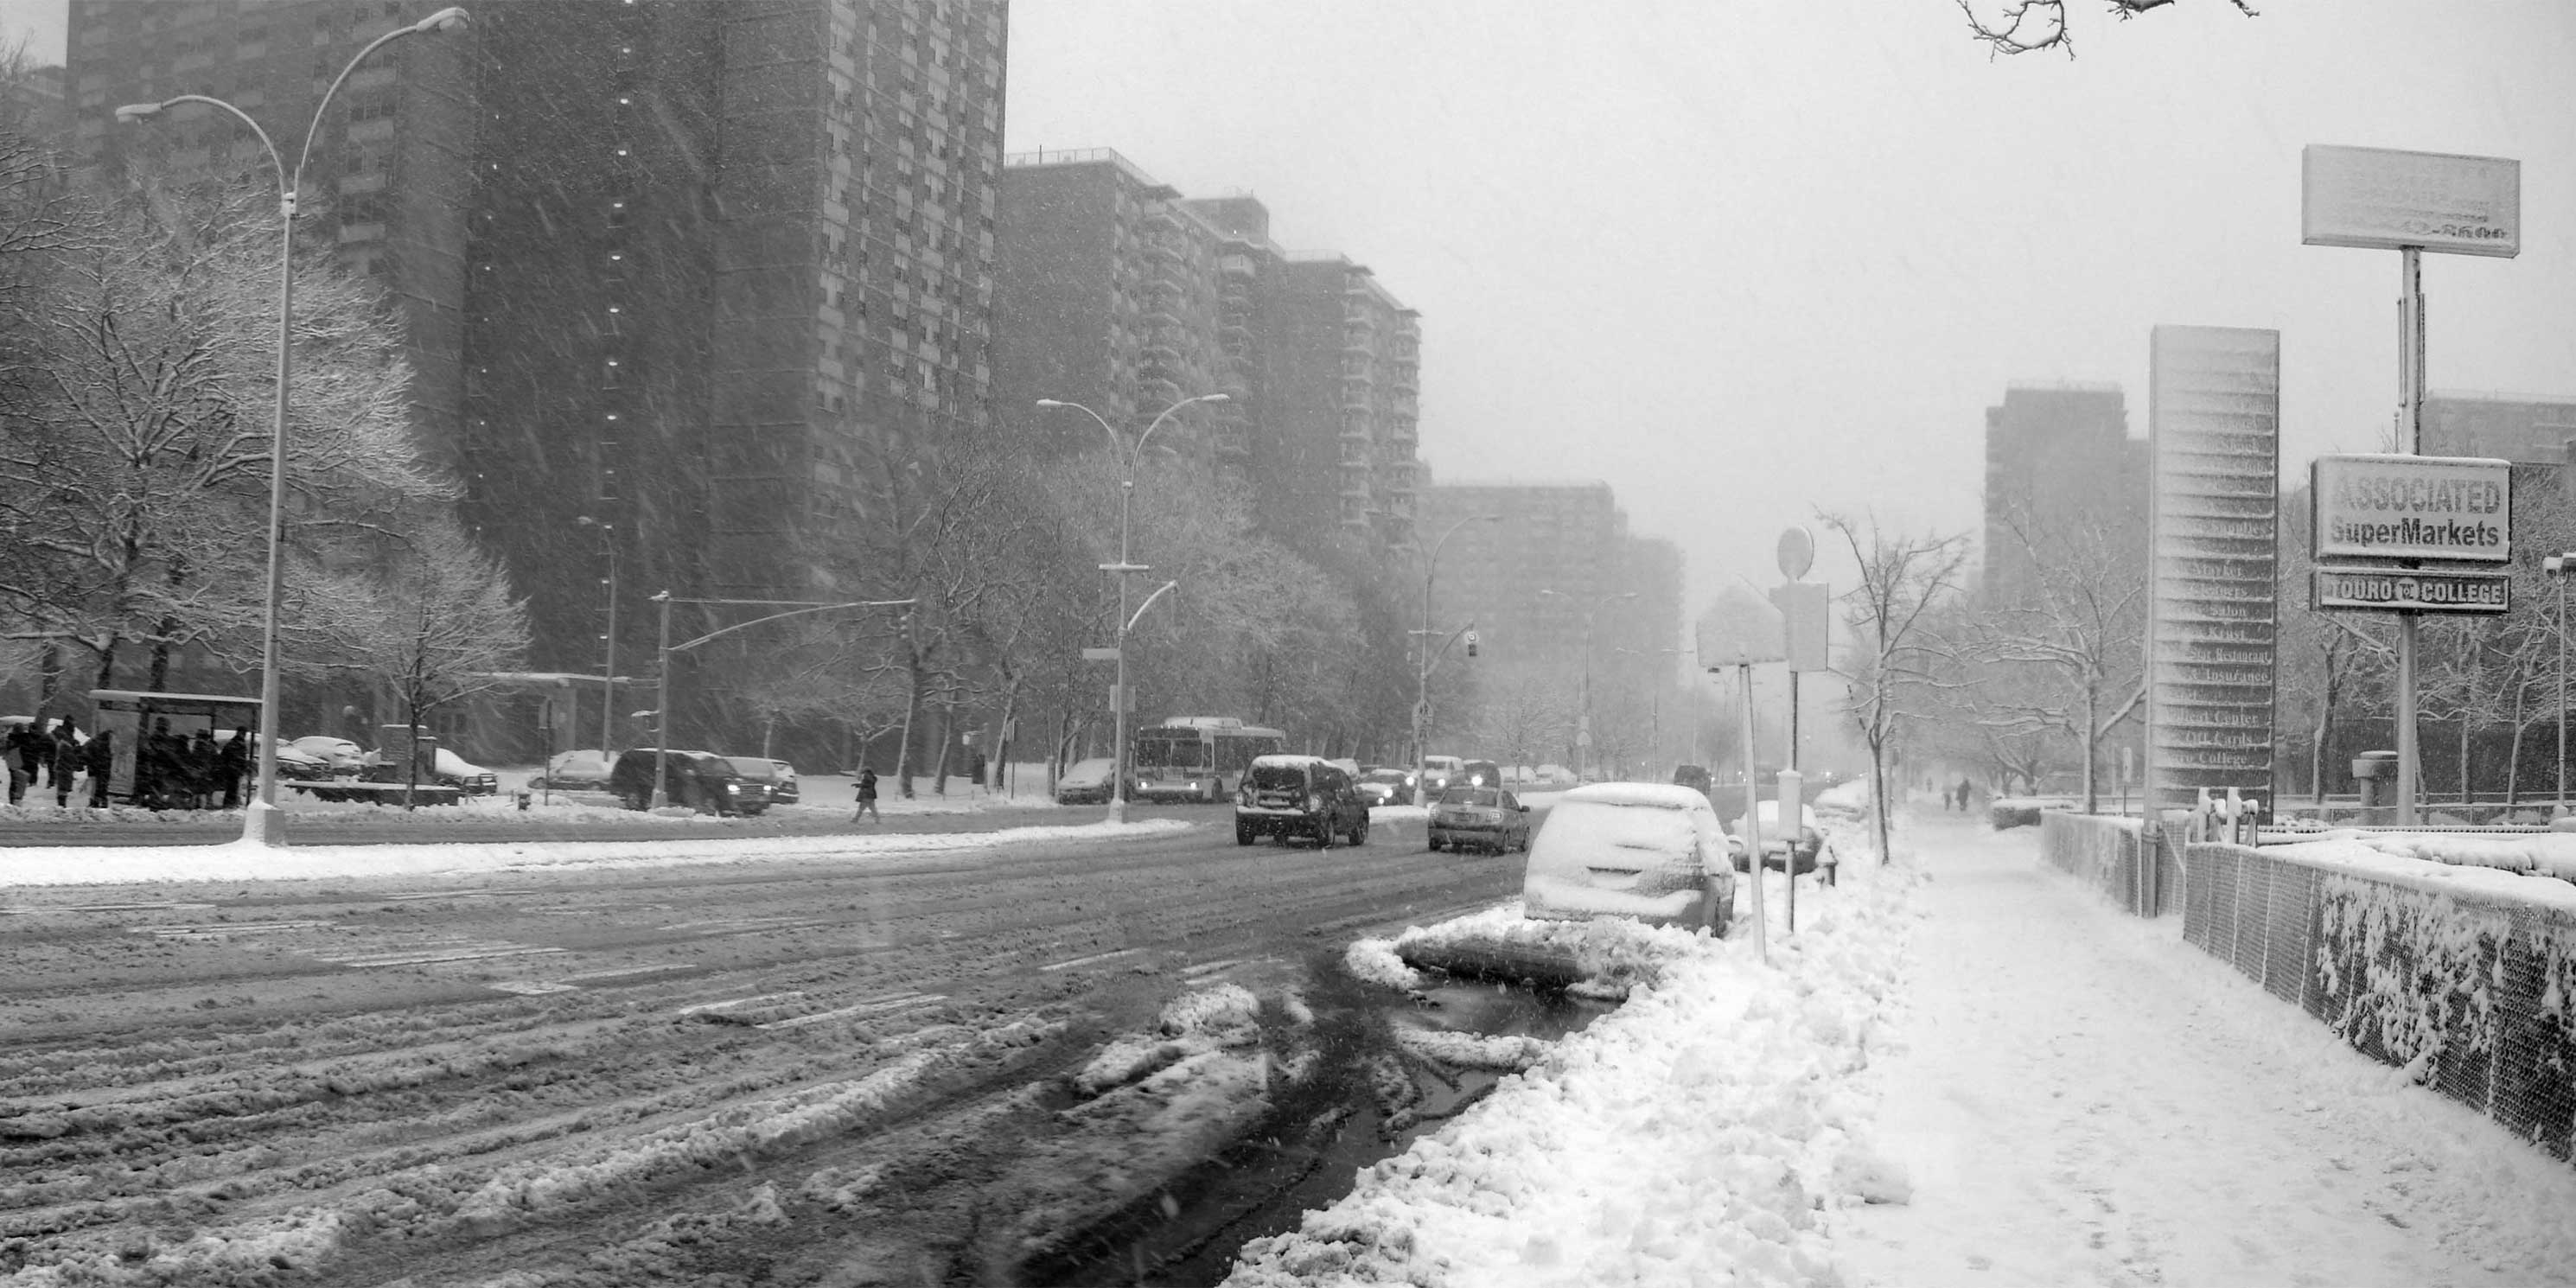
(1479, 818)
(1290, 796)
(777, 775)
(1809, 846)
(1652, 851)
(339, 755)
(1387, 787)
(452, 770)
(298, 766)
(1085, 782)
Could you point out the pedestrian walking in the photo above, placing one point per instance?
(231, 763)
(67, 761)
(12, 759)
(867, 796)
(99, 757)
(161, 767)
(32, 749)
(1964, 789)
(205, 761)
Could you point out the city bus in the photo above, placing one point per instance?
(1197, 758)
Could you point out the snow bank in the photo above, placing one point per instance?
(1692, 1137)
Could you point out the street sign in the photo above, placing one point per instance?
(2414, 590)
(2386, 506)
(1109, 654)
(1121, 701)
(1741, 628)
(1797, 553)
(2379, 199)
(1807, 616)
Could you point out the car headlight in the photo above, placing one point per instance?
(1314, 803)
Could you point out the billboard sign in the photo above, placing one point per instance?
(2450, 508)
(2213, 527)
(1741, 628)
(2383, 200)
(2414, 590)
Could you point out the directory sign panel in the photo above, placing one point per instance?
(2213, 532)
(2384, 200)
(2414, 590)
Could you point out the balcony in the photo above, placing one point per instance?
(1359, 318)
(1357, 374)
(1355, 487)
(1357, 403)
(1405, 382)
(1402, 405)
(1358, 429)
(1237, 268)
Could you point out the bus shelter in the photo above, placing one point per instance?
(132, 714)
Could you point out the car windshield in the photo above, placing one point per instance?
(1395, 776)
(749, 766)
(1471, 796)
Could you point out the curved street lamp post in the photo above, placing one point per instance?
(1583, 707)
(260, 822)
(1129, 459)
(1429, 658)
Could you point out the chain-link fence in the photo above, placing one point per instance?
(2470, 991)
(2107, 853)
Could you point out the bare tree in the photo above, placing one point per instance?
(2026, 26)
(2059, 651)
(1901, 578)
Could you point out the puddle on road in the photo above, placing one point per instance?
(1367, 1101)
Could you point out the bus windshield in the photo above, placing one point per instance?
(1176, 749)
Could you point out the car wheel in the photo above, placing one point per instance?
(1324, 832)
(1359, 835)
(1243, 834)
(1435, 842)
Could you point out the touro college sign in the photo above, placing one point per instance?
(2451, 509)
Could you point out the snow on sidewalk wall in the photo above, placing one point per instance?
(2457, 971)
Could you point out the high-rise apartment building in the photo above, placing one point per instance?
(2528, 429)
(1561, 555)
(1120, 295)
(694, 270)
(2059, 460)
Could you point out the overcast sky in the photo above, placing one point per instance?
(1749, 258)
(1745, 259)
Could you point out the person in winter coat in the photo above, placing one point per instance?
(12, 758)
(233, 761)
(162, 767)
(867, 796)
(98, 758)
(33, 749)
(205, 763)
(67, 761)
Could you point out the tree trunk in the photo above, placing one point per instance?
(2513, 759)
(903, 750)
(947, 744)
(1877, 791)
(2092, 736)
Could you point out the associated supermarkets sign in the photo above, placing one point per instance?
(2382, 200)
(2449, 508)
(2214, 400)
(2414, 590)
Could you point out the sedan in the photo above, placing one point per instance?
(455, 771)
(297, 766)
(777, 775)
(1780, 853)
(1480, 818)
(339, 755)
(1387, 787)
(1085, 782)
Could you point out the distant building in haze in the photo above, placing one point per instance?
(1118, 294)
(2529, 429)
(2059, 460)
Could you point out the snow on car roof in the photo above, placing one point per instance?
(1287, 760)
(1659, 795)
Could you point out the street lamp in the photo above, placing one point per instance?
(1583, 707)
(1654, 696)
(608, 675)
(2558, 567)
(1129, 458)
(260, 823)
(1422, 675)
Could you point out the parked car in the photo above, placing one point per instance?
(455, 771)
(1437, 771)
(1479, 773)
(1292, 796)
(1482, 818)
(1651, 851)
(1808, 847)
(294, 765)
(776, 775)
(1387, 787)
(581, 770)
(1694, 777)
(1085, 782)
(339, 755)
(698, 780)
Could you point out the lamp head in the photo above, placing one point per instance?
(2552, 564)
(451, 18)
(1049, 402)
(1217, 398)
(132, 113)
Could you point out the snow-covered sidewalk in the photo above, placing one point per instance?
(2079, 1097)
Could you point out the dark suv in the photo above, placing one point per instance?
(698, 780)
(1299, 796)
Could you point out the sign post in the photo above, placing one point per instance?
(1806, 622)
(2409, 202)
(1740, 629)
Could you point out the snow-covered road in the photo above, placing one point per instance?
(2082, 1098)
